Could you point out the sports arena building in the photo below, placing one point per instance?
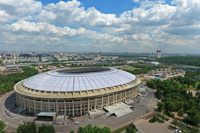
(76, 91)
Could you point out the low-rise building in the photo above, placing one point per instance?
(9, 69)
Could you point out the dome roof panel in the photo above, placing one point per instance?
(78, 80)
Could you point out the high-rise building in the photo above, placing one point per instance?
(158, 53)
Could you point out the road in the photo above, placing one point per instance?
(11, 119)
(3, 115)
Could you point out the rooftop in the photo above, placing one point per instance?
(82, 79)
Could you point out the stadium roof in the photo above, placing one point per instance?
(81, 79)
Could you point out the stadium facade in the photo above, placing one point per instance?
(76, 91)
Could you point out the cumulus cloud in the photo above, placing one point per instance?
(26, 9)
(73, 13)
(157, 15)
(46, 16)
(4, 16)
(44, 28)
(139, 37)
(41, 28)
(154, 24)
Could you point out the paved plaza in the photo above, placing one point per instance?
(145, 127)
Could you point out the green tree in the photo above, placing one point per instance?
(170, 106)
(180, 112)
(93, 129)
(131, 129)
(7, 82)
(29, 127)
(175, 122)
(2, 127)
(161, 106)
(46, 129)
(198, 86)
(194, 130)
(71, 131)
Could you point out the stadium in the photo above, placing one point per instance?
(75, 91)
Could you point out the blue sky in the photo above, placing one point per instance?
(107, 6)
(109, 26)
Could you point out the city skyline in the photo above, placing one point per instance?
(136, 26)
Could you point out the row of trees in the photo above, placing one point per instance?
(7, 82)
(30, 127)
(95, 129)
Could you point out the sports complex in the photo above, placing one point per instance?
(75, 91)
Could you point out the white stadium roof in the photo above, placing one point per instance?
(69, 81)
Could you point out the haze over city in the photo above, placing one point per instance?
(135, 26)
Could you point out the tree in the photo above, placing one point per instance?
(71, 131)
(194, 130)
(161, 106)
(105, 130)
(29, 127)
(193, 117)
(175, 122)
(131, 129)
(46, 129)
(93, 129)
(151, 84)
(7, 82)
(180, 112)
(170, 106)
(2, 126)
(175, 97)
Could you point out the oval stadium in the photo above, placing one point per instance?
(75, 91)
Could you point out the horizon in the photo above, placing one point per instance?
(136, 53)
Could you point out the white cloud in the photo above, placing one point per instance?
(154, 24)
(4, 16)
(139, 37)
(44, 28)
(46, 16)
(72, 12)
(25, 9)
(41, 28)
(157, 15)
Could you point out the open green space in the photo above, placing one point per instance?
(183, 60)
(7, 82)
(176, 98)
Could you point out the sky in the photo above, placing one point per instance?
(134, 26)
(105, 6)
